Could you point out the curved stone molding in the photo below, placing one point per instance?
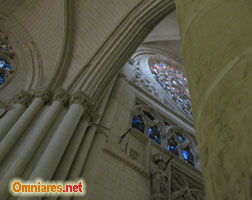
(61, 95)
(60, 69)
(22, 97)
(139, 22)
(27, 50)
(44, 93)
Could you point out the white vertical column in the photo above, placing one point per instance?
(40, 97)
(41, 128)
(69, 156)
(84, 149)
(82, 154)
(21, 101)
(55, 149)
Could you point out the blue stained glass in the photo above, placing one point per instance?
(138, 123)
(173, 146)
(163, 65)
(185, 155)
(4, 46)
(154, 134)
(1, 79)
(180, 138)
(188, 156)
(6, 66)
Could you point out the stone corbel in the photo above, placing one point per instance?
(44, 93)
(61, 95)
(22, 97)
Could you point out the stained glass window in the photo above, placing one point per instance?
(138, 123)
(173, 146)
(188, 156)
(4, 46)
(174, 83)
(3, 67)
(180, 136)
(154, 134)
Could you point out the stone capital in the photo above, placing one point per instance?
(44, 93)
(79, 97)
(22, 97)
(5, 105)
(61, 95)
(93, 116)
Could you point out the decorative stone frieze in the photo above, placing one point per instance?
(184, 187)
(79, 97)
(134, 155)
(61, 95)
(22, 97)
(44, 93)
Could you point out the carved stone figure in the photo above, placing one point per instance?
(159, 179)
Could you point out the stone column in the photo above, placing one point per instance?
(70, 155)
(216, 41)
(84, 149)
(19, 164)
(21, 101)
(83, 153)
(40, 97)
(102, 136)
(55, 149)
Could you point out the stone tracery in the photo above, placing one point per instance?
(173, 138)
(174, 82)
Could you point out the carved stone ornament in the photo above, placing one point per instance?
(134, 154)
(183, 188)
(22, 97)
(159, 179)
(5, 106)
(79, 97)
(93, 116)
(44, 93)
(61, 95)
